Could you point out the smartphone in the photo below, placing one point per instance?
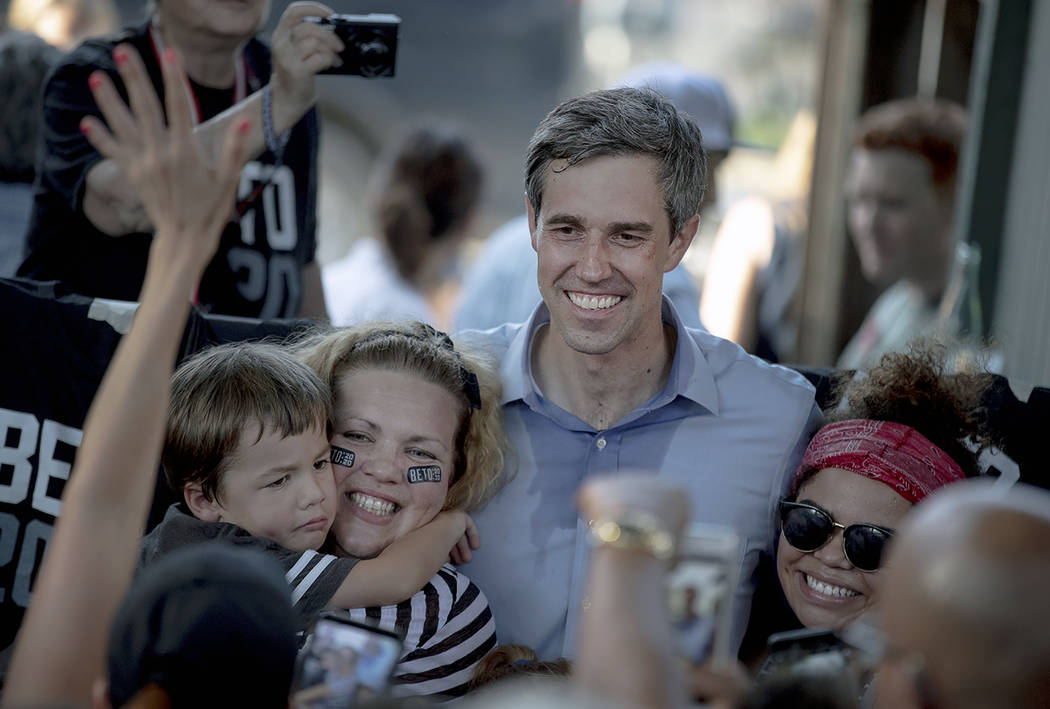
(344, 662)
(822, 655)
(700, 592)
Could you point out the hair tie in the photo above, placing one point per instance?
(890, 452)
(431, 335)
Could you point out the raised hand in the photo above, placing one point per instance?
(188, 196)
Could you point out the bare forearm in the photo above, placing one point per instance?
(625, 649)
(313, 305)
(403, 568)
(105, 504)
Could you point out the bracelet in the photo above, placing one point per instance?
(274, 143)
(635, 531)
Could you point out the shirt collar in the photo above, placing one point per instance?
(516, 370)
(691, 376)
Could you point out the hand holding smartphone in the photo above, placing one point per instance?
(344, 662)
(700, 592)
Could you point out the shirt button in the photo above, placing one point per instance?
(600, 443)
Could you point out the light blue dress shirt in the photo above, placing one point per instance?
(730, 428)
(500, 285)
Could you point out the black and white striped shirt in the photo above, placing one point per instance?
(447, 627)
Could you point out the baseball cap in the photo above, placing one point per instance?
(703, 97)
(212, 624)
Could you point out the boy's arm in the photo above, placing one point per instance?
(91, 556)
(404, 567)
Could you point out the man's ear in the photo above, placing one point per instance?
(532, 222)
(681, 241)
(202, 506)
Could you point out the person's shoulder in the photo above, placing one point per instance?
(98, 51)
(93, 54)
(179, 528)
(494, 341)
(747, 375)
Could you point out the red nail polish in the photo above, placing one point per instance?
(244, 127)
(94, 81)
(85, 127)
(120, 56)
(169, 55)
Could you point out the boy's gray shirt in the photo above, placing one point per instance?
(312, 576)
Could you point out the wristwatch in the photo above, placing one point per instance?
(636, 531)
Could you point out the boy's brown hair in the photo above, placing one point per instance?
(226, 390)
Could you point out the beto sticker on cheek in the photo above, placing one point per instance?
(343, 457)
(424, 474)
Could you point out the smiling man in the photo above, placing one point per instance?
(605, 377)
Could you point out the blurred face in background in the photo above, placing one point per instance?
(899, 221)
(235, 20)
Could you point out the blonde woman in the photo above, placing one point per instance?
(417, 428)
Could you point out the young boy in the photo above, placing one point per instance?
(247, 447)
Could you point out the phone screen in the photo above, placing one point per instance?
(344, 662)
(700, 592)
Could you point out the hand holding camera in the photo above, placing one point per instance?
(300, 51)
(369, 43)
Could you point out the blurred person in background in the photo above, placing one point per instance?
(64, 23)
(900, 192)
(500, 285)
(24, 62)
(427, 192)
(88, 228)
(965, 612)
(757, 257)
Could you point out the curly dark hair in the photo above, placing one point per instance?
(915, 388)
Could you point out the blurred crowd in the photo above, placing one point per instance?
(603, 486)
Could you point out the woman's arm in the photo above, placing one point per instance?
(407, 564)
(626, 652)
(91, 556)
(742, 248)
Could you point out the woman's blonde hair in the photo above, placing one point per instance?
(417, 348)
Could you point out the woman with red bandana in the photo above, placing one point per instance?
(898, 434)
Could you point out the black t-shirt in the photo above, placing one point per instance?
(257, 270)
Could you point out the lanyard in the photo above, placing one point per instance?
(240, 91)
(240, 86)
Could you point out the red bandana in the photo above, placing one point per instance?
(892, 453)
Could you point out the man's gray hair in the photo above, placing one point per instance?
(624, 121)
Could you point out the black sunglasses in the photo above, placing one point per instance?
(807, 528)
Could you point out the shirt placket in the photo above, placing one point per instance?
(603, 458)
